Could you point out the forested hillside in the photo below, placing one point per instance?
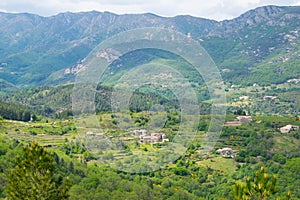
(14, 112)
(261, 45)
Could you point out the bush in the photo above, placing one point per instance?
(279, 158)
(182, 171)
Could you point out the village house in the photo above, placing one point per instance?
(295, 80)
(288, 128)
(140, 132)
(153, 138)
(244, 98)
(90, 134)
(227, 152)
(269, 97)
(244, 118)
(149, 139)
(164, 138)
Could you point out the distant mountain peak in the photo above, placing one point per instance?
(35, 47)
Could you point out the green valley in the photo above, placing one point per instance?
(151, 124)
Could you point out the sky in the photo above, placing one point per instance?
(211, 9)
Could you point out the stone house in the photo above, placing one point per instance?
(227, 152)
(153, 138)
(288, 128)
(90, 134)
(140, 132)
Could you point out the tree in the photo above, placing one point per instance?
(33, 176)
(239, 111)
(14, 112)
(263, 186)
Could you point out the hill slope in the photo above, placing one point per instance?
(263, 41)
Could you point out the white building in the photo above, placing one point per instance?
(244, 98)
(227, 152)
(288, 128)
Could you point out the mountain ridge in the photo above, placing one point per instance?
(33, 47)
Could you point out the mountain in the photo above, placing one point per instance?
(261, 45)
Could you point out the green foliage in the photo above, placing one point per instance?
(46, 101)
(14, 112)
(261, 187)
(192, 176)
(74, 147)
(264, 50)
(33, 176)
(189, 178)
(56, 101)
(289, 177)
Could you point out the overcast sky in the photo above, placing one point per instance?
(212, 9)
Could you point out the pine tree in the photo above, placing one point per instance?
(33, 177)
(261, 187)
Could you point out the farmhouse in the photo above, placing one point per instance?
(227, 152)
(153, 138)
(149, 139)
(269, 97)
(140, 132)
(295, 80)
(164, 138)
(244, 118)
(245, 98)
(90, 134)
(288, 128)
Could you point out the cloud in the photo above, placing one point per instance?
(214, 9)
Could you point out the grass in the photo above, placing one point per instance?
(35, 131)
(139, 153)
(226, 165)
(283, 142)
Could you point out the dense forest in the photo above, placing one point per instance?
(57, 101)
(15, 112)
